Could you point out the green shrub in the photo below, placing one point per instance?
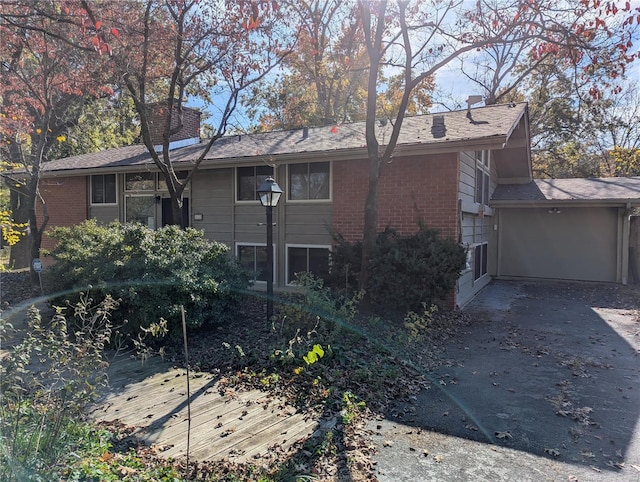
(310, 315)
(46, 382)
(151, 273)
(406, 271)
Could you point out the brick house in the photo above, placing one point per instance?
(444, 171)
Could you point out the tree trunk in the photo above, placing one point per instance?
(20, 252)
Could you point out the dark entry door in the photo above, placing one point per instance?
(167, 213)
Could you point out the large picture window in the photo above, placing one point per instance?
(249, 178)
(483, 173)
(103, 189)
(307, 259)
(254, 259)
(309, 181)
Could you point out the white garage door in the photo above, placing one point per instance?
(574, 244)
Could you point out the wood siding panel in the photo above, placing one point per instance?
(212, 196)
(104, 214)
(308, 223)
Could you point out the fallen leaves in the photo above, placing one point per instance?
(504, 435)
(552, 452)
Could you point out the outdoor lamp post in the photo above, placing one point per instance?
(269, 193)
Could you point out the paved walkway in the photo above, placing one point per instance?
(546, 388)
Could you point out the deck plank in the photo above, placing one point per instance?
(224, 424)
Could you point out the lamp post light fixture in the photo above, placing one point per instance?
(269, 193)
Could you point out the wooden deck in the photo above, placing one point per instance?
(231, 426)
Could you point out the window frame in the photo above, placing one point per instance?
(481, 193)
(484, 260)
(237, 183)
(274, 271)
(91, 201)
(154, 204)
(160, 178)
(327, 247)
(322, 200)
(153, 180)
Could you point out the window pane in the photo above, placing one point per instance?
(262, 173)
(297, 262)
(246, 184)
(246, 257)
(139, 181)
(484, 258)
(319, 261)
(261, 263)
(479, 185)
(298, 181)
(103, 189)
(97, 189)
(319, 180)
(162, 183)
(141, 209)
(110, 188)
(485, 190)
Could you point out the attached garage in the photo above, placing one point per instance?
(565, 229)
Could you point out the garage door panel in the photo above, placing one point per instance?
(575, 244)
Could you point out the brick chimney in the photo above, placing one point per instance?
(190, 132)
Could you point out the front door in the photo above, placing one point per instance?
(167, 213)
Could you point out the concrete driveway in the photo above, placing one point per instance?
(543, 386)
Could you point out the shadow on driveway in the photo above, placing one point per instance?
(545, 385)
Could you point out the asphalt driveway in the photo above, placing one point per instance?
(544, 385)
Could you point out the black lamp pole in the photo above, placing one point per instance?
(269, 262)
(269, 193)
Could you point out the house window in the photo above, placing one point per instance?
(141, 209)
(311, 259)
(139, 181)
(309, 181)
(103, 189)
(480, 260)
(162, 183)
(253, 258)
(483, 173)
(249, 179)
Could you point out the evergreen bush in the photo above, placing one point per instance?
(151, 273)
(406, 271)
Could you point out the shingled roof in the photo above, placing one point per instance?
(608, 189)
(491, 126)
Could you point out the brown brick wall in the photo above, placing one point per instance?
(411, 189)
(67, 203)
(157, 122)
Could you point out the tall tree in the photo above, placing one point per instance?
(417, 39)
(43, 87)
(174, 48)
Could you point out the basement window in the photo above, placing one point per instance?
(307, 259)
(253, 258)
(480, 255)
